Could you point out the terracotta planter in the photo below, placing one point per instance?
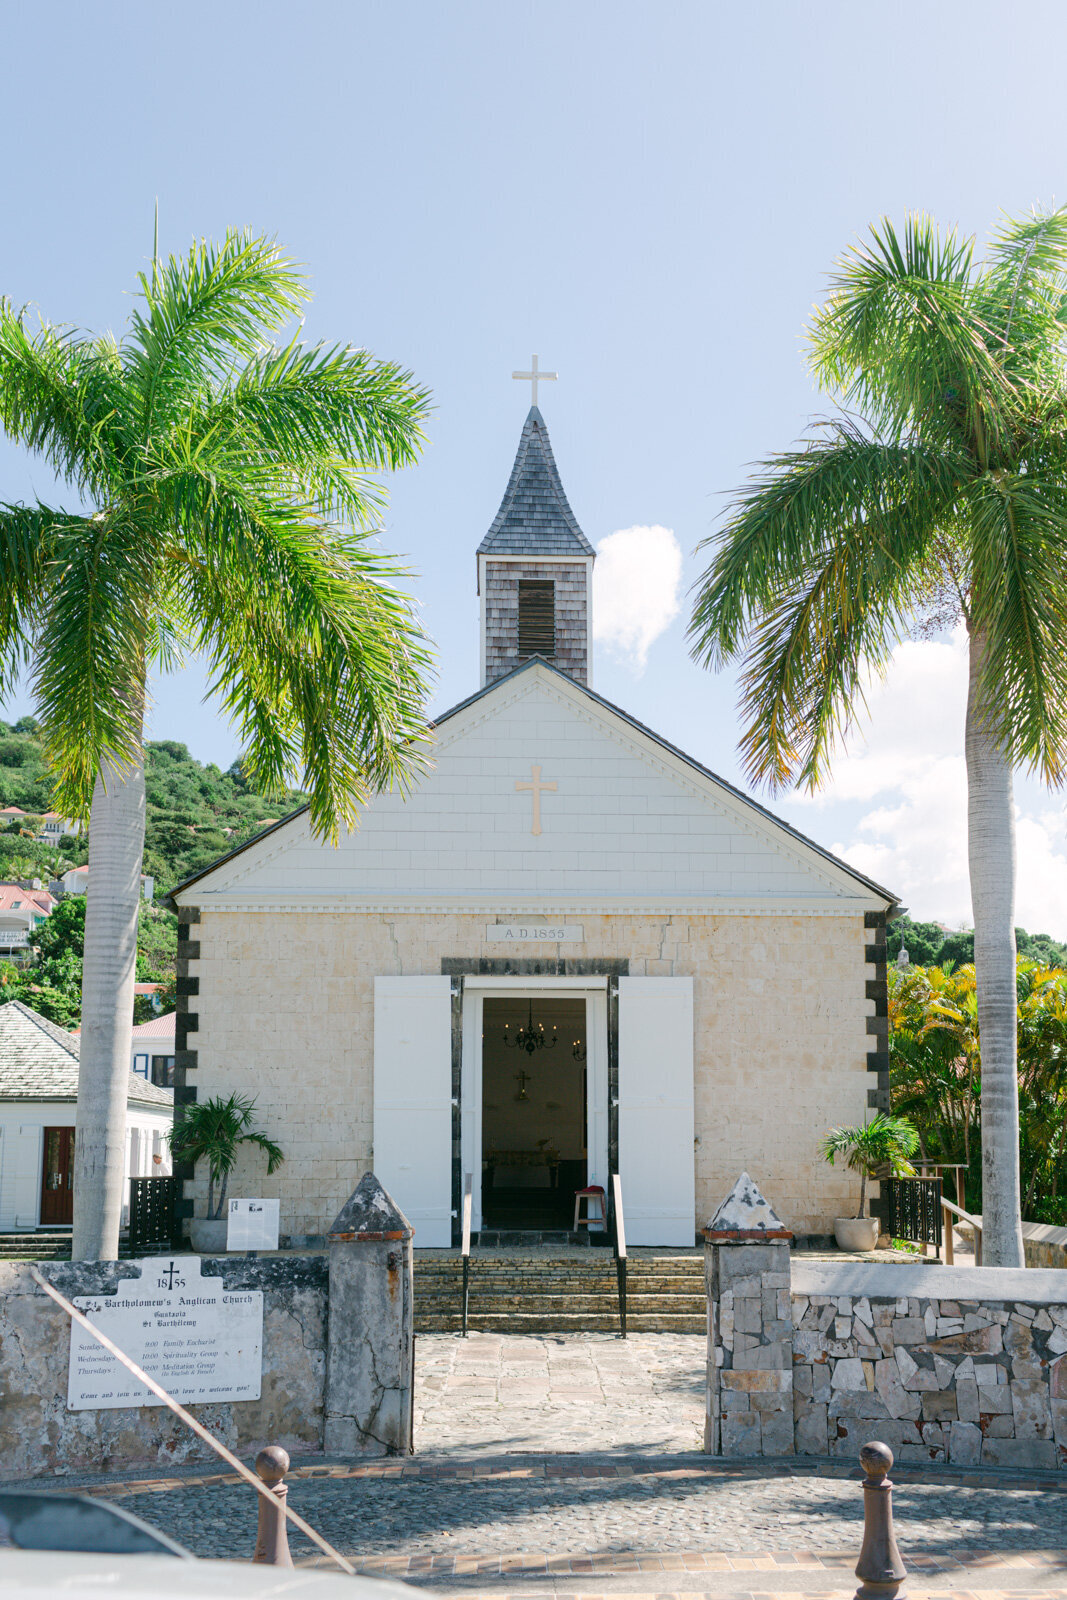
(208, 1235)
(856, 1233)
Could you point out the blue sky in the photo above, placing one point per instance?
(649, 196)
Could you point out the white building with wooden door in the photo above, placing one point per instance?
(38, 1110)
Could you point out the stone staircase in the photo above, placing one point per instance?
(555, 1293)
(35, 1246)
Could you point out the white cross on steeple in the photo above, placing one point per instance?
(535, 377)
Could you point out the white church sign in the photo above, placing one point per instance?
(198, 1340)
(252, 1224)
(533, 932)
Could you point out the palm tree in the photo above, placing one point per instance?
(939, 494)
(229, 498)
(211, 1131)
(881, 1145)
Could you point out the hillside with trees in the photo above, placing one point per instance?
(930, 945)
(195, 812)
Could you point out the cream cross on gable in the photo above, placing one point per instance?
(537, 787)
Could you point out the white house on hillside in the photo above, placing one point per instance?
(38, 1106)
(21, 911)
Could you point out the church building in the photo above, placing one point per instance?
(572, 951)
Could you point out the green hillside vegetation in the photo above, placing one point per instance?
(52, 984)
(195, 813)
(928, 945)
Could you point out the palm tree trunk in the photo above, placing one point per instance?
(116, 844)
(991, 849)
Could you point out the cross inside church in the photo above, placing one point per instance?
(572, 952)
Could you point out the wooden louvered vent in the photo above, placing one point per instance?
(537, 617)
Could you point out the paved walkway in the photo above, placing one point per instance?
(492, 1394)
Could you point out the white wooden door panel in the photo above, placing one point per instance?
(656, 1162)
(413, 1101)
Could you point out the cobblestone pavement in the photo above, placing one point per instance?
(567, 1516)
(505, 1393)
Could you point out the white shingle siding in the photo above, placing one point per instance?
(627, 820)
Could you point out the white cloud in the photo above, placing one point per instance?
(897, 801)
(636, 580)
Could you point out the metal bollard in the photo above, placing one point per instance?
(880, 1570)
(272, 1539)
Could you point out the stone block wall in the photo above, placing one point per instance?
(952, 1365)
(781, 1018)
(40, 1437)
(750, 1377)
(1044, 1245)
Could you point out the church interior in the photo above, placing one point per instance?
(534, 1123)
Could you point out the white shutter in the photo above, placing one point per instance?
(656, 1160)
(413, 1101)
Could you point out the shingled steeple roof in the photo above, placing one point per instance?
(534, 517)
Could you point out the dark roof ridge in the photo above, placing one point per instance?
(535, 517)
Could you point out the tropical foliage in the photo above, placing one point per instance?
(937, 495)
(936, 1075)
(213, 1131)
(52, 984)
(878, 1148)
(193, 813)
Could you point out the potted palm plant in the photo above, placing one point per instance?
(211, 1131)
(880, 1148)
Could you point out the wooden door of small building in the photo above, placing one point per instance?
(57, 1177)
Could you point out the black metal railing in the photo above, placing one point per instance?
(618, 1241)
(466, 1247)
(154, 1223)
(911, 1209)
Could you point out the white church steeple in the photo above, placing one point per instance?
(535, 569)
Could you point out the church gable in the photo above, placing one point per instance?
(542, 794)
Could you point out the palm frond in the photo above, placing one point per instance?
(90, 654)
(205, 312)
(805, 503)
(1019, 615)
(313, 648)
(325, 418)
(901, 338)
(65, 398)
(27, 543)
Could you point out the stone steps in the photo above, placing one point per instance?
(562, 1294)
(563, 1322)
(34, 1246)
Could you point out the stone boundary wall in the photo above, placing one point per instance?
(1044, 1245)
(40, 1437)
(959, 1365)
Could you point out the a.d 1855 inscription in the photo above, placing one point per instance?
(198, 1340)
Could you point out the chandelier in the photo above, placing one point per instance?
(530, 1037)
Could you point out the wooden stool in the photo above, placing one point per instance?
(594, 1195)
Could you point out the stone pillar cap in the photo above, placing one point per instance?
(745, 1217)
(370, 1216)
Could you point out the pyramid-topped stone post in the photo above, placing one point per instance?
(369, 1388)
(750, 1328)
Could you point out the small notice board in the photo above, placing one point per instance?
(252, 1225)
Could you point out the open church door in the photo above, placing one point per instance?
(656, 1110)
(413, 1101)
